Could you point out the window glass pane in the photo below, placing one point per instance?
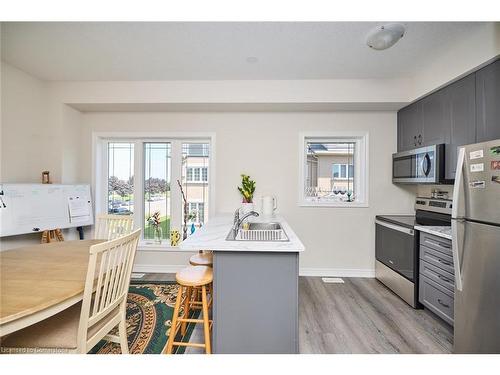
(120, 178)
(351, 171)
(190, 174)
(195, 156)
(157, 164)
(329, 167)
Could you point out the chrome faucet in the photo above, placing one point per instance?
(237, 220)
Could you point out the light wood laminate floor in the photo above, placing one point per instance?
(359, 316)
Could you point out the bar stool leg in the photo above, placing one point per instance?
(206, 324)
(187, 298)
(173, 328)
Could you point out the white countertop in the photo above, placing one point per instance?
(213, 235)
(441, 231)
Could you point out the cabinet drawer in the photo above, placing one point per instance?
(438, 275)
(436, 258)
(437, 299)
(436, 243)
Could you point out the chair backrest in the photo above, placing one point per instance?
(107, 282)
(109, 227)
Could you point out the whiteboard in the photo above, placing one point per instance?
(29, 208)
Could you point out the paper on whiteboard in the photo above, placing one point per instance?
(80, 219)
(78, 207)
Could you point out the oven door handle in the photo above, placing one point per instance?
(408, 231)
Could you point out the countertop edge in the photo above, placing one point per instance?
(220, 226)
(429, 230)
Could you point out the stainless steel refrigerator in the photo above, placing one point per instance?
(476, 248)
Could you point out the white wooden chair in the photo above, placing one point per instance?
(80, 327)
(109, 227)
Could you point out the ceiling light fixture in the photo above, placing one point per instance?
(385, 36)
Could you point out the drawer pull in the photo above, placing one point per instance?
(444, 279)
(442, 303)
(440, 244)
(444, 262)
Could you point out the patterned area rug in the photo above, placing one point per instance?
(150, 306)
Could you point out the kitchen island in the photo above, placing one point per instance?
(255, 305)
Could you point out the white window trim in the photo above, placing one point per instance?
(99, 173)
(361, 165)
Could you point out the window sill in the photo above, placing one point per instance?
(151, 246)
(334, 204)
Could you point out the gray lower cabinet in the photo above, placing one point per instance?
(461, 104)
(436, 276)
(255, 306)
(488, 102)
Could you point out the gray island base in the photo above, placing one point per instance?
(255, 305)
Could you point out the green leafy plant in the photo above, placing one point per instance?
(247, 188)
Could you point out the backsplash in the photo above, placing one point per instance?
(426, 190)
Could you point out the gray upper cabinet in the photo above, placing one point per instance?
(488, 102)
(409, 126)
(436, 119)
(464, 112)
(461, 106)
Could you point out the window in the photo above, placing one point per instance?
(342, 171)
(333, 170)
(197, 174)
(120, 191)
(195, 161)
(139, 177)
(157, 166)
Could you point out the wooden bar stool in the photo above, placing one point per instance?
(188, 279)
(202, 259)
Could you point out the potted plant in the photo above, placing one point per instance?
(247, 189)
(155, 222)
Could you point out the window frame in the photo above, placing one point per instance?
(361, 164)
(99, 174)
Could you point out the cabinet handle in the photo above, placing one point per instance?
(444, 262)
(442, 303)
(435, 243)
(420, 139)
(444, 279)
(414, 140)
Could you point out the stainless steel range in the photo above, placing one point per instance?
(397, 245)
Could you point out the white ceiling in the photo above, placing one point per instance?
(219, 51)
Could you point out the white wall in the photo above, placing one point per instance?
(32, 141)
(266, 146)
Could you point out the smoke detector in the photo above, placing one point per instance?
(385, 36)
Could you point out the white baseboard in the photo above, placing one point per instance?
(318, 272)
(336, 272)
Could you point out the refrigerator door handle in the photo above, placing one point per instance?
(456, 221)
(456, 252)
(459, 176)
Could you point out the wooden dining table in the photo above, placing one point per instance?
(39, 281)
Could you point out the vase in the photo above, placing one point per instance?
(158, 235)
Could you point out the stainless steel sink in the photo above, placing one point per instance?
(266, 232)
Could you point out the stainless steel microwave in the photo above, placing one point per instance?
(423, 165)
